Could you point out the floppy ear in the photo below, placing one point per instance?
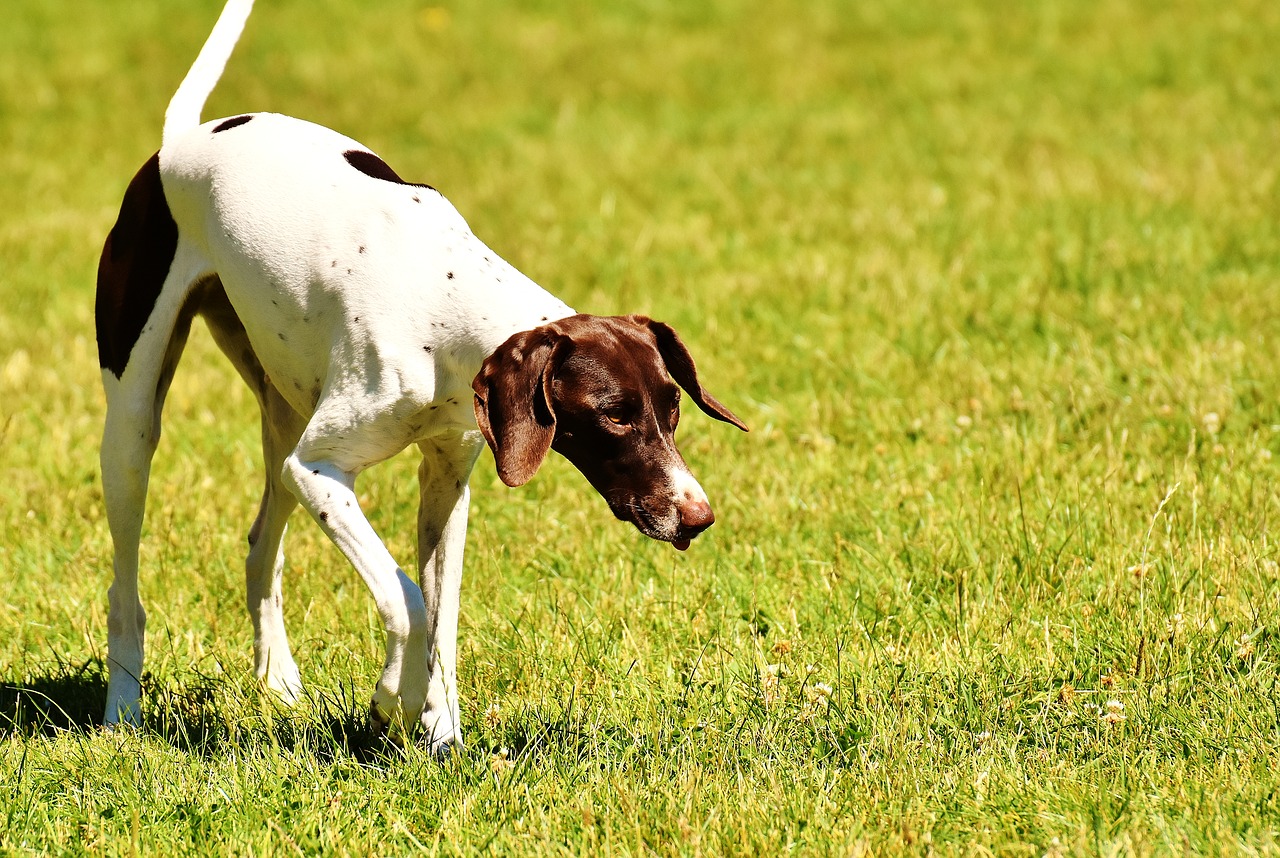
(513, 403)
(680, 366)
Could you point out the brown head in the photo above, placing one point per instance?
(599, 391)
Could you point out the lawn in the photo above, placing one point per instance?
(996, 287)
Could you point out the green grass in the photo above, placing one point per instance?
(995, 286)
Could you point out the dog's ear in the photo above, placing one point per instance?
(513, 402)
(681, 368)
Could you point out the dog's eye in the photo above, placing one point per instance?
(617, 417)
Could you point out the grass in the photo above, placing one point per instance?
(995, 286)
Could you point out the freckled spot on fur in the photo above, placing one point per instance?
(450, 275)
(324, 516)
(416, 199)
(426, 349)
(333, 264)
(362, 248)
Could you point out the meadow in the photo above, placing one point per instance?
(996, 287)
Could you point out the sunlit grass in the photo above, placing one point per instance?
(996, 289)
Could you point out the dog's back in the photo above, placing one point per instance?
(367, 252)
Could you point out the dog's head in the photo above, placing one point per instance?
(598, 390)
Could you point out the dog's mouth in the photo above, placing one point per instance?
(666, 528)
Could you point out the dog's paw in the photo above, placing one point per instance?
(379, 721)
(115, 727)
(387, 718)
(439, 734)
(434, 732)
(444, 750)
(285, 685)
(123, 713)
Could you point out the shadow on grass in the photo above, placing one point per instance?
(212, 717)
(65, 698)
(205, 717)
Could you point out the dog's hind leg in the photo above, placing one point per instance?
(129, 440)
(281, 428)
(143, 315)
(134, 402)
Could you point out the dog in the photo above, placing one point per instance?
(366, 317)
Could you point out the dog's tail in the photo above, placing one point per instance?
(185, 106)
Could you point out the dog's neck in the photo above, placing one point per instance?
(493, 300)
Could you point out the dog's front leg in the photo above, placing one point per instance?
(327, 492)
(442, 534)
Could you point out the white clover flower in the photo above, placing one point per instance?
(1113, 713)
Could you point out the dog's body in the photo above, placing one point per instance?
(366, 317)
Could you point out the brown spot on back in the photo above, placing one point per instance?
(233, 122)
(134, 264)
(376, 168)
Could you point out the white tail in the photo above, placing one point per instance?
(185, 106)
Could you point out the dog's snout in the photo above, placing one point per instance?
(695, 517)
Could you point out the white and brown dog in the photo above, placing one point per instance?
(366, 317)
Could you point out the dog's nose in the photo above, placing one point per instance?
(695, 517)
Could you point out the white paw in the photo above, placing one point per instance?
(124, 703)
(388, 714)
(284, 682)
(440, 733)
